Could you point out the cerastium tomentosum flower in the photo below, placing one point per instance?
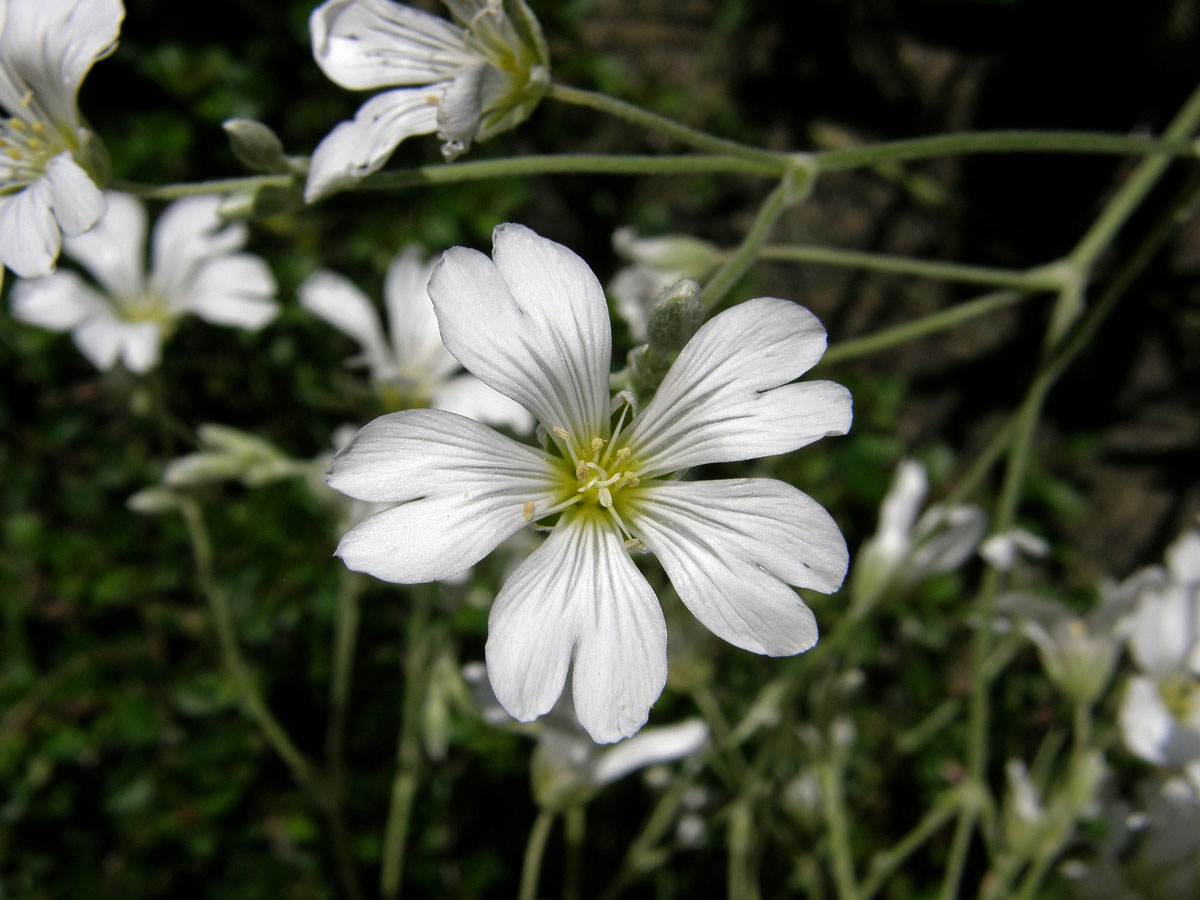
(466, 81)
(533, 323)
(49, 161)
(194, 270)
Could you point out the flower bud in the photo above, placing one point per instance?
(255, 145)
(675, 315)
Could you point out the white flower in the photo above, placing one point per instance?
(194, 269)
(410, 366)
(47, 157)
(908, 549)
(533, 324)
(568, 767)
(467, 82)
(1079, 653)
(1001, 551)
(1160, 713)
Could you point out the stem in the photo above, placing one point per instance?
(1000, 142)
(345, 634)
(199, 188)
(787, 192)
(669, 127)
(235, 665)
(1136, 187)
(833, 801)
(408, 751)
(742, 883)
(1034, 280)
(918, 328)
(884, 865)
(534, 850)
(562, 164)
(575, 829)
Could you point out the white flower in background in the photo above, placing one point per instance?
(409, 365)
(1001, 551)
(466, 81)
(532, 322)
(1160, 713)
(1078, 653)
(194, 270)
(907, 549)
(656, 264)
(568, 767)
(48, 159)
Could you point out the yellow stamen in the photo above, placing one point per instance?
(527, 511)
(562, 433)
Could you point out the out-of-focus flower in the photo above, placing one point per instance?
(195, 270)
(229, 454)
(568, 767)
(49, 160)
(466, 81)
(409, 365)
(907, 549)
(1079, 653)
(1160, 713)
(655, 264)
(533, 323)
(1001, 551)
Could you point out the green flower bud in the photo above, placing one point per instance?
(255, 145)
(675, 315)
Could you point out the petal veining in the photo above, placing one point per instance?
(728, 397)
(732, 547)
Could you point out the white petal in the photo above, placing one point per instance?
(460, 111)
(620, 664)
(533, 324)
(188, 234)
(462, 489)
(898, 512)
(470, 397)
(58, 302)
(1146, 724)
(77, 202)
(1163, 630)
(412, 324)
(48, 47)
(233, 290)
(581, 591)
(103, 338)
(654, 745)
(731, 548)
(945, 539)
(357, 148)
(362, 44)
(141, 346)
(1183, 558)
(114, 249)
(29, 234)
(339, 302)
(721, 401)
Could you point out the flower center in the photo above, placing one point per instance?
(145, 307)
(1180, 695)
(25, 151)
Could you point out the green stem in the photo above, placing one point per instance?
(1118, 210)
(668, 127)
(999, 142)
(235, 665)
(791, 188)
(535, 849)
(742, 882)
(960, 844)
(885, 864)
(419, 646)
(1035, 280)
(833, 801)
(922, 327)
(574, 832)
(644, 852)
(345, 634)
(200, 188)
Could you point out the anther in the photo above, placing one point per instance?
(597, 444)
(18, 125)
(604, 495)
(527, 511)
(581, 471)
(38, 128)
(631, 480)
(623, 454)
(28, 98)
(562, 433)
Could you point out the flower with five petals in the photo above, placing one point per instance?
(533, 323)
(48, 159)
(466, 81)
